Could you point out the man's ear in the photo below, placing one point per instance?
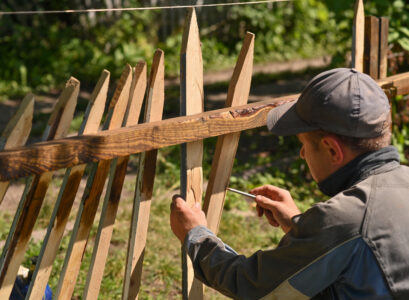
(333, 147)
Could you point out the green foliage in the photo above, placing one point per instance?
(400, 129)
(42, 51)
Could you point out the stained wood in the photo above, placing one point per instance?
(17, 131)
(113, 192)
(90, 199)
(383, 47)
(371, 65)
(144, 184)
(191, 102)
(53, 155)
(66, 196)
(26, 216)
(358, 36)
(226, 146)
(397, 84)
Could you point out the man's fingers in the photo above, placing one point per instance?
(270, 191)
(265, 202)
(176, 196)
(271, 219)
(260, 210)
(177, 201)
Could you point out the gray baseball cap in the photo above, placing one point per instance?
(342, 101)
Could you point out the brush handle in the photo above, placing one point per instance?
(251, 196)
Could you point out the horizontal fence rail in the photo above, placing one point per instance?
(63, 153)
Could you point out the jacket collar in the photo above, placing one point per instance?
(359, 169)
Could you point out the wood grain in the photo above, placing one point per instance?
(383, 47)
(226, 146)
(93, 190)
(113, 192)
(16, 132)
(66, 196)
(32, 199)
(371, 51)
(53, 155)
(396, 84)
(191, 102)
(144, 184)
(358, 36)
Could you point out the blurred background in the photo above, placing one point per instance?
(39, 52)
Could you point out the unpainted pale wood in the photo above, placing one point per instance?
(31, 202)
(90, 199)
(66, 196)
(383, 47)
(358, 36)
(113, 192)
(191, 102)
(53, 155)
(138, 89)
(17, 131)
(371, 64)
(226, 146)
(144, 184)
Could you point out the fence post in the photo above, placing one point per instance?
(376, 47)
(191, 102)
(371, 62)
(383, 47)
(113, 192)
(90, 198)
(144, 184)
(16, 132)
(66, 196)
(358, 35)
(33, 196)
(226, 147)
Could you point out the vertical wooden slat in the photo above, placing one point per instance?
(191, 102)
(383, 47)
(92, 193)
(66, 196)
(144, 184)
(32, 200)
(113, 192)
(17, 131)
(358, 36)
(226, 146)
(371, 66)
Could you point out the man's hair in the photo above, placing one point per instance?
(362, 145)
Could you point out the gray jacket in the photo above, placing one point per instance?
(353, 246)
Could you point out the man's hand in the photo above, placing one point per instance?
(276, 204)
(183, 218)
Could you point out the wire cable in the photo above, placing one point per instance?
(71, 11)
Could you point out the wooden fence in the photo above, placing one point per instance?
(107, 153)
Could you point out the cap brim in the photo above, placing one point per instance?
(284, 120)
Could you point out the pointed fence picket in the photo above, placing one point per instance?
(107, 151)
(191, 102)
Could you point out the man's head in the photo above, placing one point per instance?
(340, 114)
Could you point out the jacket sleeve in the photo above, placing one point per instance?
(304, 263)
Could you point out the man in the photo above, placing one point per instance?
(353, 246)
